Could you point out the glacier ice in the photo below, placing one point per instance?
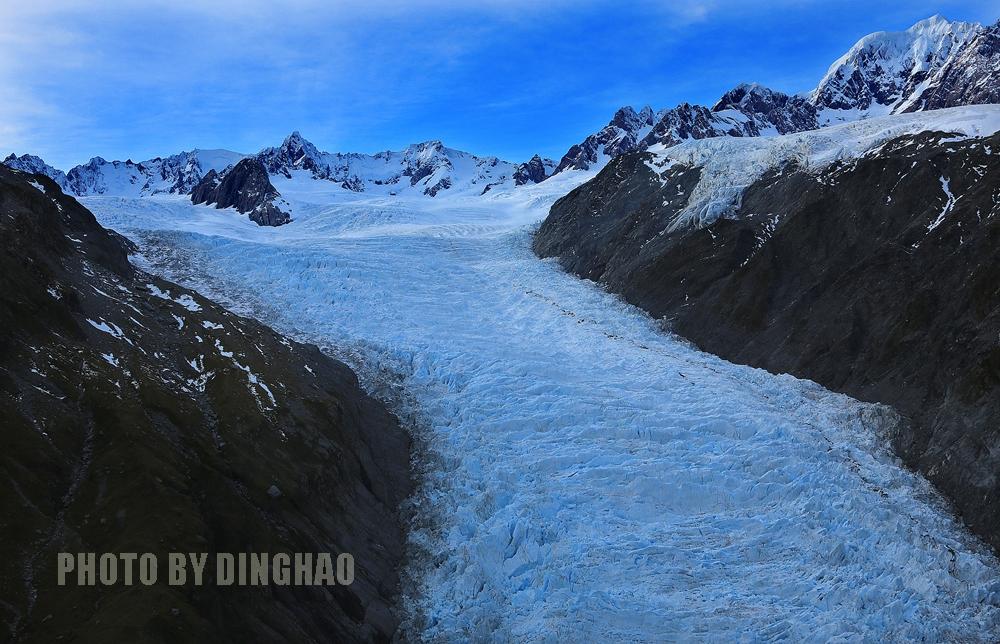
(586, 474)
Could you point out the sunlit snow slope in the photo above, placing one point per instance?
(588, 475)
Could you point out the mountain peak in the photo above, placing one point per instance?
(752, 96)
(882, 69)
(35, 165)
(937, 21)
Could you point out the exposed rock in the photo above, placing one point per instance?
(623, 134)
(245, 187)
(294, 153)
(878, 277)
(768, 110)
(534, 170)
(141, 417)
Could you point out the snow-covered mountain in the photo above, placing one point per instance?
(933, 64)
(178, 173)
(969, 77)
(422, 168)
(885, 72)
(35, 165)
(746, 110)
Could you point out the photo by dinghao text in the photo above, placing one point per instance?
(200, 568)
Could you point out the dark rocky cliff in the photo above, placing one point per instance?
(139, 417)
(866, 277)
(246, 187)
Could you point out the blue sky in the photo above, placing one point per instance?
(136, 79)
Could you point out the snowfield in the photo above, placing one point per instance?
(586, 476)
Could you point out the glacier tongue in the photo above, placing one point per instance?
(589, 476)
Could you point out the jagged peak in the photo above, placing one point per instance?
(24, 158)
(937, 22)
(295, 141)
(746, 94)
(626, 118)
(431, 144)
(892, 55)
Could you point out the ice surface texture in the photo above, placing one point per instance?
(594, 478)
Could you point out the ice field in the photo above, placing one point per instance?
(586, 475)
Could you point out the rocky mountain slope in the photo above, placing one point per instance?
(140, 417)
(933, 64)
(862, 256)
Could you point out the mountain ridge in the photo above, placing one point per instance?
(935, 63)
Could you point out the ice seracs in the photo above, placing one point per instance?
(727, 165)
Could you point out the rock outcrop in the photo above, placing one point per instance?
(140, 417)
(534, 170)
(245, 187)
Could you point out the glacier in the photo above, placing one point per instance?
(584, 473)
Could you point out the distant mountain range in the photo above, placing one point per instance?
(935, 63)
(423, 168)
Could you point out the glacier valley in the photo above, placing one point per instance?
(585, 474)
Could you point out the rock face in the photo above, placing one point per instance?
(140, 417)
(245, 187)
(534, 170)
(933, 64)
(767, 110)
(877, 276)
